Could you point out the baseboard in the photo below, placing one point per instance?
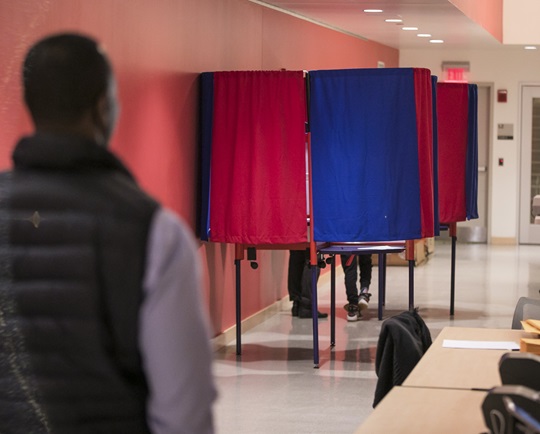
(503, 241)
(229, 336)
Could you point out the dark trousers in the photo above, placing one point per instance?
(351, 275)
(299, 277)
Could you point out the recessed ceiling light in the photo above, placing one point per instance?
(424, 35)
(409, 28)
(436, 41)
(530, 47)
(394, 20)
(373, 11)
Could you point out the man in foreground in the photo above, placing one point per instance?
(101, 321)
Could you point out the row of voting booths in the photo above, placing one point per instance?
(390, 157)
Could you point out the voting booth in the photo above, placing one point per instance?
(367, 140)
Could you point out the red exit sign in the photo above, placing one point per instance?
(456, 74)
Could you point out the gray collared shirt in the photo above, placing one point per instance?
(174, 332)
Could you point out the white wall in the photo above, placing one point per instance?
(520, 22)
(507, 68)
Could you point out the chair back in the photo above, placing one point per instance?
(511, 410)
(526, 308)
(520, 369)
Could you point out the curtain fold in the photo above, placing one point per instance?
(424, 126)
(258, 158)
(368, 127)
(206, 92)
(436, 222)
(471, 181)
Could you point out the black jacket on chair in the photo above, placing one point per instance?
(403, 341)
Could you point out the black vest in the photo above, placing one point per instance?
(73, 235)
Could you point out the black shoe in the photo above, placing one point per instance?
(295, 307)
(306, 313)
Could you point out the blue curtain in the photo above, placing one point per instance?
(365, 155)
(471, 193)
(206, 118)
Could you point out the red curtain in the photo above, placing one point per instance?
(424, 126)
(258, 158)
(452, 118)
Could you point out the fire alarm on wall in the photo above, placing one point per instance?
(502, 95)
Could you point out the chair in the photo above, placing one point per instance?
(526, 308)
(520, 369)
(512, 410)
(520, 419)
(403, 340)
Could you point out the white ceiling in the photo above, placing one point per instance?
(439, 18)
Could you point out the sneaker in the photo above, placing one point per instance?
(352, 312)
(363, 299)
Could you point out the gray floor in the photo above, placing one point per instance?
(274, 388)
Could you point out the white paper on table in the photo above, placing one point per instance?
(481, 345)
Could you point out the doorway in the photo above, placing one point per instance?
(475, 231)
(529, 233)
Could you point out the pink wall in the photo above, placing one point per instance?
(487, 13)
(158, 50)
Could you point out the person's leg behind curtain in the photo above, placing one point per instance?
(351, 276)
(297, 261)
(305, 303)
(366, 265)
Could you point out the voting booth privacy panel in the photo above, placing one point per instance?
(457, 124)
(372, 155)
(254, 157)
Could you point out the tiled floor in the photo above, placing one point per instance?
(274, 388)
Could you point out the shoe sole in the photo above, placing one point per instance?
(352, 319)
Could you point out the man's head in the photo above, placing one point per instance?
(69, 87)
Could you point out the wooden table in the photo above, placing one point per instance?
(424, 410)
(445, 391)
(456, 368)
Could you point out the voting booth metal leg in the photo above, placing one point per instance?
(409, 255)
(453, 276)
(382, 288)
(383, 259)
(314, 315)
(411, 285)
(452, 229)
(238, 309)
(333, 302)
